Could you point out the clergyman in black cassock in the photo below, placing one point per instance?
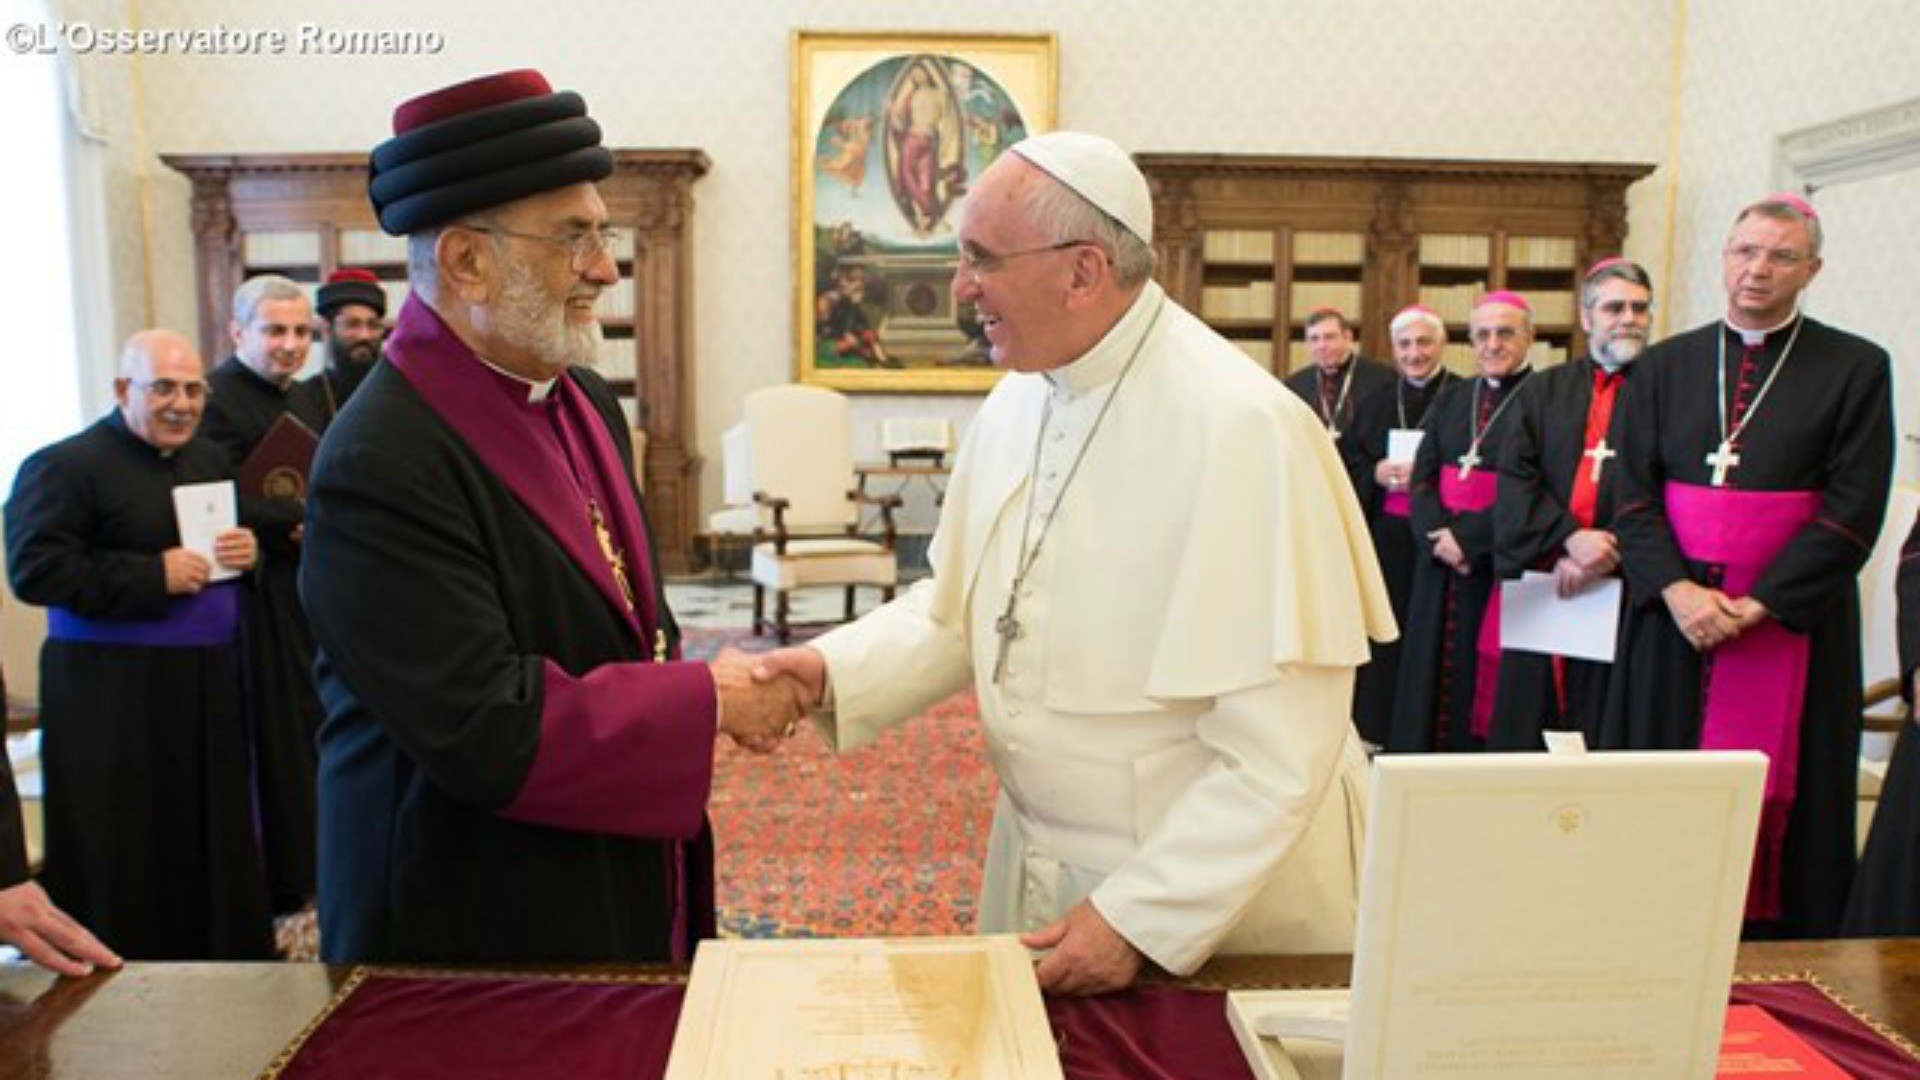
(252, 390)
(1441, 698)
(1419, 343)
(1337, 385)
(1767, 425)
(1886, 892)
(1556, 502)
(354, 307)
(149, 807)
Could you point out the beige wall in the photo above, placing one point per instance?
(1489, 78)
(1496, 79)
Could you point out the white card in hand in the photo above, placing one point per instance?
(203, 512)
(1533, 618)
(1403, 443)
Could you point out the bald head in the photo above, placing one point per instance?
(162, 388)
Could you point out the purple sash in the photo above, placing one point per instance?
(1397, 504)
(1756, 684)
(1477, 492)
(209, 617)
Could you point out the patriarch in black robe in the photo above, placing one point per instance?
(1556, 502)
(515, 761)
(1446, 689)
(1419, 346)
(149, 807)
(1755, 466)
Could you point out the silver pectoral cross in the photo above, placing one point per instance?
(1008, 628)
(1468, 461)
(1600, 454)
(1722, 460)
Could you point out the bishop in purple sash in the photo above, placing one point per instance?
(515, 761)
(1755, 461)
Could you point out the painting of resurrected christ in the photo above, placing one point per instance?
(894, 139)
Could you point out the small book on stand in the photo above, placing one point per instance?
(280, 462)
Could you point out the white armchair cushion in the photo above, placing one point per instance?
(825, 562)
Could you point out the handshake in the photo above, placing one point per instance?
(762, 698)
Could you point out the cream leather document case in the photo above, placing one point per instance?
(958, 1008)
(1533, 915)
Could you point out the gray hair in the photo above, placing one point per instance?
(1780, 209)
(423, 265)
(1068, 215)
(1614, 270)
(262, 289)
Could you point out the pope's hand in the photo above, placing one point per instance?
(1088, 955)
(804, 665)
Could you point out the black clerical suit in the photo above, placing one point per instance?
(1543, 456)
(1825, 426)
(278, 647)
(1438, 660)
(1403, 406)
(149, 810)
(1886, 892)
(1338, 411)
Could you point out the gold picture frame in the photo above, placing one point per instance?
(888, 131)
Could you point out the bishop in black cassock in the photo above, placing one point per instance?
(1556, 503)
(1886, 892)
(149, 809)
(1419, 342)
(1755, 466)
(1446, 667)
(252, 389)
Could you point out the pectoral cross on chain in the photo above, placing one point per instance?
(1600, 453)
(1722, 460)
(1468, 461)
(1008, 628)
(616, 560)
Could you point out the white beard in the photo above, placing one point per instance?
(531, 322)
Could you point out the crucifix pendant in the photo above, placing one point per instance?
(1600, 453)
(1722, 460)
(1468, 461)
(1008, 628)
(1335, 432)
(616, 561)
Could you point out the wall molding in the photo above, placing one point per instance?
(1858, 147)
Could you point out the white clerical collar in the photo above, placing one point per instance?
(1103, 363)
(1755, 338)
(1516, 373)
(537, 389)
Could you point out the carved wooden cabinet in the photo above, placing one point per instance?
(1254, 243)
(306, 215)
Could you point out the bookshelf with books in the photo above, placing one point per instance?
(307, 215)
(1252, 243)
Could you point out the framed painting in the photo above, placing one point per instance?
(889, 130)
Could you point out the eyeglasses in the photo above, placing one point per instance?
(585, 247)
(1493, 333)
(1615, 308)
(195, 389)
(978, 261)
(1785, 258)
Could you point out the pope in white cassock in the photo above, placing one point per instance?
(1152, 569)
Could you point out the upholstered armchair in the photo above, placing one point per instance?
(800, 449)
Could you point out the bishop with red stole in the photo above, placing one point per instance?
(1556, 502)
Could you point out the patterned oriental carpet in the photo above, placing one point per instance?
(886, 840)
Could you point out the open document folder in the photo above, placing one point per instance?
(1532, 915)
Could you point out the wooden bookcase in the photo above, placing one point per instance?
(1254, 243)
(306, 215)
